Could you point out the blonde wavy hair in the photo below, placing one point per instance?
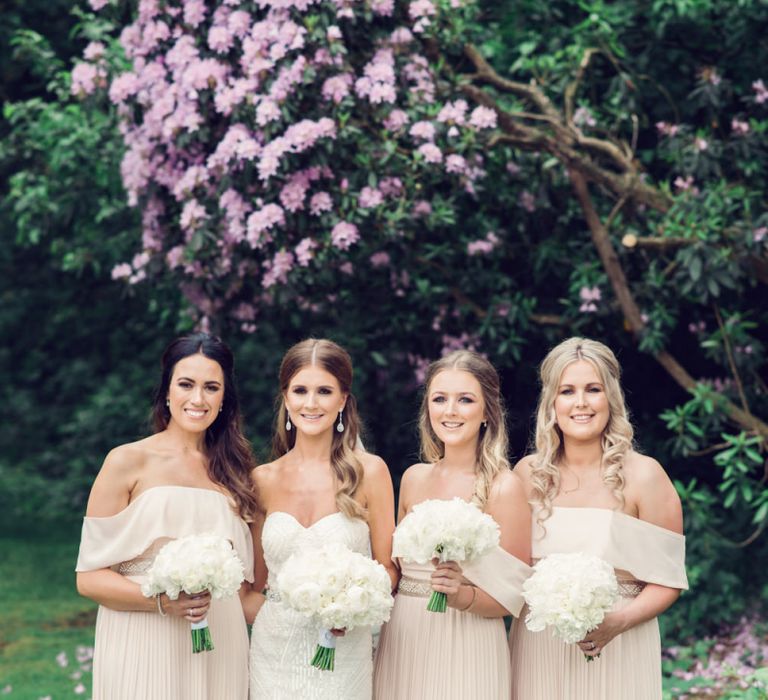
(616, 439)
(346, 467)
(492, 444)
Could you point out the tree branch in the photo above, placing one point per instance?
(630, 240)
(731, 361)
(631, 311)
(621, 179)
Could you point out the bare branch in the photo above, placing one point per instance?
(731, 361)
(630, 240)
(486, 74)
(573, 87)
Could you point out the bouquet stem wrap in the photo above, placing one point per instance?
(201, 637)
(325, 654)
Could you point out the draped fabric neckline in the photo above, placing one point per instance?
(154, 488)
(619, 512)
(158, 514)
(649, 552)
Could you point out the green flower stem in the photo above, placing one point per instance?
(324, 658)
(438, 602)
(201, 638)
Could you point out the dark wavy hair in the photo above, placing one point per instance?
(230, 458)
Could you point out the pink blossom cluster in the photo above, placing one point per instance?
(242, 127)
(483, 246)
(761, 91)
(589, 296)
(667, 129)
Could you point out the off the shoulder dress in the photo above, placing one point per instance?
(453, 655)
(629, 667)
(141, 654)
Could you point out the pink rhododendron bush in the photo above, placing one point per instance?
(278, 148)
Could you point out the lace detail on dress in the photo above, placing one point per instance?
(283, 642)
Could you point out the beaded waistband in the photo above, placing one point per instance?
(423, 589)
(414, 586)
(630, 588)
(272, 596)
(134, 567)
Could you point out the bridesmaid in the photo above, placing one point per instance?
(593, 492)
(461, 653)
(321, 487)
(190, 477)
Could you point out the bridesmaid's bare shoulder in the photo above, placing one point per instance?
(416, 473)
(266, 475)
(119, 476)
(524, 469)
(649, 487)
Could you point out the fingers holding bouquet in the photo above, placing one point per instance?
(192, 607)
(196, 606)
(447, 578)
(597, 639)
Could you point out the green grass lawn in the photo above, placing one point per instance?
(42, 616)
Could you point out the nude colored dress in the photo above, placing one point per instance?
(454, 655)
(141, 654)
(629, 667)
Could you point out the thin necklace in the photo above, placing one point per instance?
(565, 491)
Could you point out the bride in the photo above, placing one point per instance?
(321, 487)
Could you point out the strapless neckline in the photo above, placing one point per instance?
(292, 517)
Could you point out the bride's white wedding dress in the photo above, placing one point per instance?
(283, 643)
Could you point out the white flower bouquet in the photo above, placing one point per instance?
(571, 594)
(335, 588)
(449, 530)
(194, 564)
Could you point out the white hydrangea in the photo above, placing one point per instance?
(569, 593)
(449, 530)
(193, 564)
(336, 588)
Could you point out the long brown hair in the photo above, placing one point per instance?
(229, 455)
(345, 465)
(492, 443)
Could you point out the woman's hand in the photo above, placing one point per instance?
(192, 607)
(448, 578)
(596, 640)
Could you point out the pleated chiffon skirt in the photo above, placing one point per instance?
(144, 655)
(546, 668)
(440, 656)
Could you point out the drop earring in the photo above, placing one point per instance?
(340, 424)
(288, 425)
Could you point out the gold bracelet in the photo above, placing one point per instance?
(471, 602)
(160, 605)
